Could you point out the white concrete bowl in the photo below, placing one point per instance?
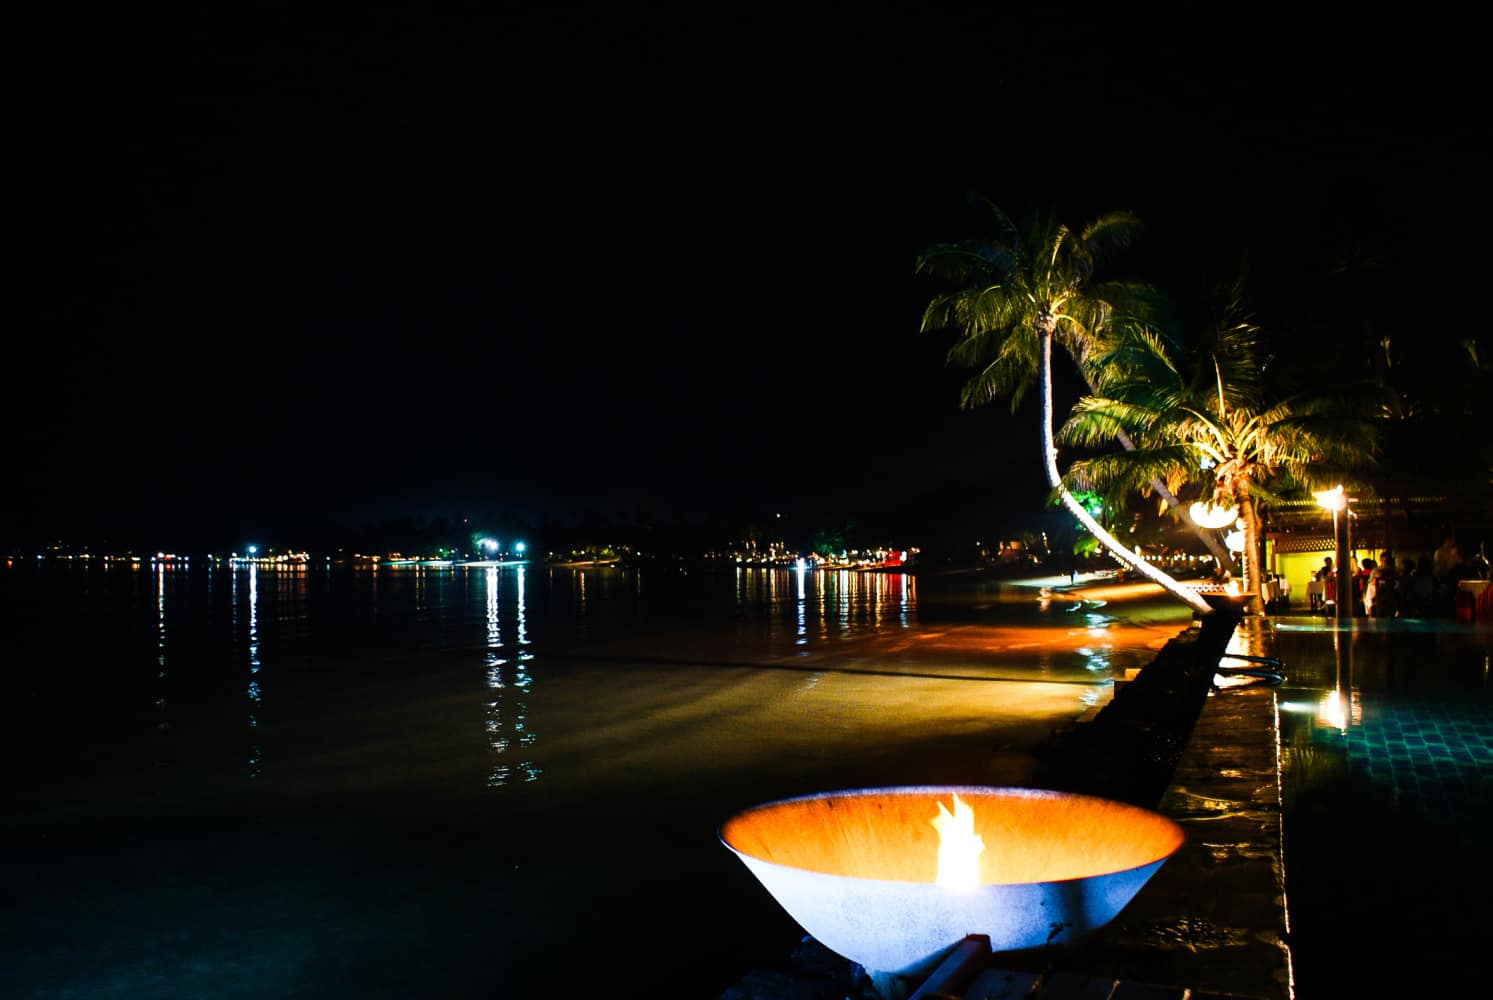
(856, 869)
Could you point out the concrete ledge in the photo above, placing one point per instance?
(1213, 919)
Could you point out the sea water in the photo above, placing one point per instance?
(484, 780)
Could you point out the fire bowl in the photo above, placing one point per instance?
(856, 869)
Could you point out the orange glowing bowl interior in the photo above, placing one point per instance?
(1028, 837)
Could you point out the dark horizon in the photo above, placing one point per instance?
(273, 276)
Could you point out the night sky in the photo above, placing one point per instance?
(271, 274)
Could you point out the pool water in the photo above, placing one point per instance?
(1387, 790)
(1431, 759)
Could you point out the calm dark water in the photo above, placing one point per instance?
(1387, 754)
(494, 781)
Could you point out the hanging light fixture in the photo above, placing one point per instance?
(1210, 515)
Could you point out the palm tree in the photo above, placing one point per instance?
(1017, 294)
(1210, 416)
(976, 266)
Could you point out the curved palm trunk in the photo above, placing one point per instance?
(1055, 479)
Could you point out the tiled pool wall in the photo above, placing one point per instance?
(1433, 759)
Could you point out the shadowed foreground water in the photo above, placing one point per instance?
(478, 780)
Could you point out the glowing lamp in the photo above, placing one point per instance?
(1209, 515)
(1333, 499)
(860, 870)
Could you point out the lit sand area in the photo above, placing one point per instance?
(529, 802)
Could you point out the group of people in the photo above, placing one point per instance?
(1425, 589)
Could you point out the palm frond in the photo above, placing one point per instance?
(963, 263)
(1139, 366)
(1112, 230)
(1015, 341)
(1131, 472)
(1006, 374)
(1012, 235)
(1096, 421)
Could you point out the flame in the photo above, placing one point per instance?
(959, 847)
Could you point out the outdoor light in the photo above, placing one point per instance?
(253, 549)
(1336, 501)
(1210, 515)
(1333, 499)
(490, 544)
(518, 547)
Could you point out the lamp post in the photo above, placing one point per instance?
(1336, 501)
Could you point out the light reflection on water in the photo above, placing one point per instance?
(509, 735)
(654, 667)
(161, 644)
(814, 607)
(256, 755)
(621, 650)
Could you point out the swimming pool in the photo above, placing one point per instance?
(1386, 732)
